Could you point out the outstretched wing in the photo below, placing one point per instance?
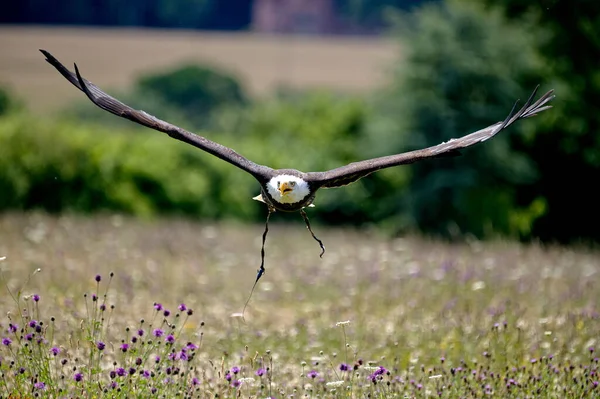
(352, 172)
(114, 106)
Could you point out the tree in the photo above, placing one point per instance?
(566, 147)
(462, 68)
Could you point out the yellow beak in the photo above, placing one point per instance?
(284, 188)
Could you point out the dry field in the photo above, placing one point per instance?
(112, 58)
(471, 320)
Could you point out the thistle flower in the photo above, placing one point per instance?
(158, 333)
(39, 385)
(170, 339)
(13, 327)
(260, 372)
(78, 377)
(312, 374)
(158, 306)
(235, 369)
(120, 371)
(55, 350)
(124, 347)
(182, 307)
(36, 297)
(6, 341)
(100, 345)
(98, 278)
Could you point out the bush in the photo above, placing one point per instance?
(63, 166)
(66, 166)
(195, 90)
(463, 68)
(8, 103)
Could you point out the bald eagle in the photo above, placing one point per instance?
(290, 190)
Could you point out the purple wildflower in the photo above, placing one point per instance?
(157, 359)
(98, 278)
(195, 381)
(183, 356)
(190, 312)
(146, 374)
(78, 377)
(102, 307)
(260, 372)
(121, 371)
(344, 367)
(140, 332)
(228, 376)
(158, 333)
(191, 346)
(100, 345)
(182, 307)
(113, 374)
(32, 323)
(36, 297)
(124, 347)
(312, 374)
(236, 383)
(13, 327)
(114, 385)
(170, 339)
(235, 369)
(55, 350)
(39, 385)
(158, 306)
(167, 312)
(29, 337)
(6, 341)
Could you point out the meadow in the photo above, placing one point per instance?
(263, 62)
(118, 307)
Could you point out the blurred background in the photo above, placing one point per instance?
(312, 85)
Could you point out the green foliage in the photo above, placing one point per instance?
(64, 166)
(565, 145)
(193, 89)
(463, 68)
(8, 102)
(313, 131)
(68, 166)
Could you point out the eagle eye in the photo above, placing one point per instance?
(293, 183)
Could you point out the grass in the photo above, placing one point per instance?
(405, 317)
(263, 62)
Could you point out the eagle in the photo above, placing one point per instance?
(290, 190)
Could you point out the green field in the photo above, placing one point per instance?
(263, 62)
(465, 320)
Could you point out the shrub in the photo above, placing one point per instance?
(196, 90)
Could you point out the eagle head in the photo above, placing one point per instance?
(287, 189)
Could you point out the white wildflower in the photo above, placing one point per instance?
(342, 323)
(334, 384)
